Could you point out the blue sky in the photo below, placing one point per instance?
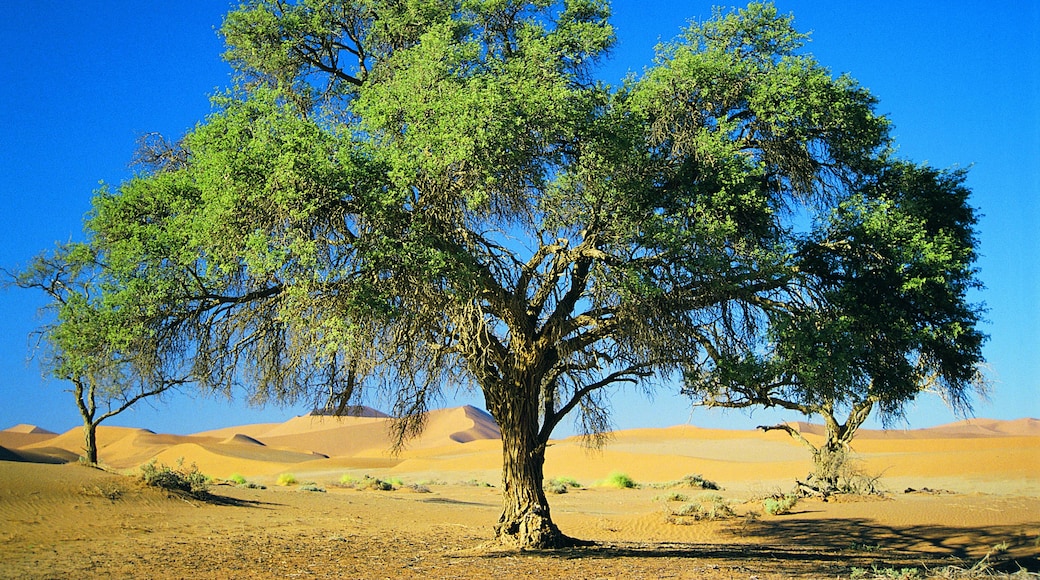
(80, 82)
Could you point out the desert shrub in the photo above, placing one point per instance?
(620, 481)
(286, 479)
(187, 480)
(396, 481)
(779, 505)
(347, 480)
(109, 491)
(877, 573)
(419, 488)
(476, 483)
(560, 484)
(837, 471)
(674, 496)
(708, 506)
(237, 479)
(696, 481)
(312, 487)
(368, 482)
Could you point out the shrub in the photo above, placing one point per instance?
(312, 487)
(620, 481)
(709, 506)
(560, 484)
(696, 481)
(237, 478)
(779, 505)
(187, 480)
(286, 479)
(674, 496)
(348, 480)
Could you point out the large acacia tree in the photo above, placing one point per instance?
(400, 195)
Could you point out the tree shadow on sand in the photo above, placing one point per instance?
(834, 546)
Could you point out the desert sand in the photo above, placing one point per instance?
(977, 497)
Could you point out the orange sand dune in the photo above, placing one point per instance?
(976, 455)
(24, 434)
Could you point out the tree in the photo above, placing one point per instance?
(96, 340)
(887, 317)
(401, 195)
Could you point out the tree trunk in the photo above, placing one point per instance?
(525, 522)
(90, 442)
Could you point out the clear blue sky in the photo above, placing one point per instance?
(81, 81)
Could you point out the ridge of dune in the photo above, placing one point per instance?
(29, 429)
(254, 430)
(240, 439)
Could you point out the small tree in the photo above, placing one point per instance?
(95, 341)
(884, 318)
(402, 195)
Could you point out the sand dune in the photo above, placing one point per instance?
(991, 456)
(987, 471)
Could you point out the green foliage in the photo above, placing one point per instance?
(180, 479)
(312, 487)
(286, 479)
(237, 478)
(779, 505)
(619, 480)
(403, 195)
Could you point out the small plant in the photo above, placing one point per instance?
(779, 505)
(560, 484)
(109, 492)
(312, 487)
(285, 479)
(396, 481)
(476, 483)
(348, 480)
(237, 479)
(188, 480)
(877, 573)
(674, 496)
(696, 481)
(620, 481)
(708, 506)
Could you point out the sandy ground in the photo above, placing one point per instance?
(69, 521)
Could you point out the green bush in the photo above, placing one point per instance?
(237, 479)
(779, 505)
(620, 481)
(286, 479)
(187, 480)
(312, 487)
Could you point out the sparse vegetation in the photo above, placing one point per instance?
(312, 487)
(674, 497)
(779, 505)
(707, 506)
(369, 482)
(237, 479)
(620, 480)
(286, 479)
(560, 485)
(696, 481)
(179, 479)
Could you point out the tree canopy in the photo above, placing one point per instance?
(402, 195)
